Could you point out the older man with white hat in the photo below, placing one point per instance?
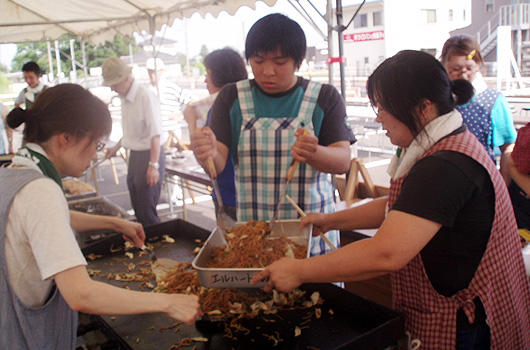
(142, 134)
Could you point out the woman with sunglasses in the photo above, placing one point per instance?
(487, 115)
(43, 277)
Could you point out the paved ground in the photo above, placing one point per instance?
(202, 213)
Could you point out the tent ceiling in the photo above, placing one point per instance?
(100, 20)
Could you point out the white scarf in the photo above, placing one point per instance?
(479, 84)
(432, 133)
(31, 92)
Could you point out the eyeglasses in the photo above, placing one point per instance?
(100, 146)
(473, 68)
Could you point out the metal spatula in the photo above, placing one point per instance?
(224, 221)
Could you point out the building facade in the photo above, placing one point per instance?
(384, 27)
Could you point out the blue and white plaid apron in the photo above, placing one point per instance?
(264, 156)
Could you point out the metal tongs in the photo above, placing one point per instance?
(151, 252)
(98, 162)
(288, 179)
(224, 221)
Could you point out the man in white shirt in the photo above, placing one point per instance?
(142, 134)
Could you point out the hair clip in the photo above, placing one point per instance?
(471, 54)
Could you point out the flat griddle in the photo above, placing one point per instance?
(354, 323)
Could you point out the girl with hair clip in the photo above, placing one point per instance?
(43, 277)
(446, 232)
(487, 115)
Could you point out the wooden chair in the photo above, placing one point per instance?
(352, 189)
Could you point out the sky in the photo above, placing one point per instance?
(225, 30)
(231, 31)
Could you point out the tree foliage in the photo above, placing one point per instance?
(204, 51)
(4, 84)
(4, 68)
(95, 54)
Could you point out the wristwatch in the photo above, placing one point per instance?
(154, 165)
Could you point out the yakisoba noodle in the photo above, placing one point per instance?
(246, 247)
(227, 302)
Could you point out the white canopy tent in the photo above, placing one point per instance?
(100, 20)
(97, 20)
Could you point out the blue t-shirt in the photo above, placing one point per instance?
(226, 182)
(489, 118)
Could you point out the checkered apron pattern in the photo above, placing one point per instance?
(521, 150)
(477, 117)
(264, 156)
(499, 281)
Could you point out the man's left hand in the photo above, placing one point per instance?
(153, 176)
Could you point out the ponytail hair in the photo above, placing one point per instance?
(463, 91)
(67, 108)
(16, 117)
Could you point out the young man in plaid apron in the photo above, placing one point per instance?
(258, 123)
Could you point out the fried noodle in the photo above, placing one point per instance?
(246, 247)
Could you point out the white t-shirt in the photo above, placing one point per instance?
(203, 107)
(39, 240)
(141, 119)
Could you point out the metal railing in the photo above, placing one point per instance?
(489, 30)
(517, 16)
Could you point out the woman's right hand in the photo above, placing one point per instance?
(184, 308)
(190, 116)
(319, 221)
(203, 143)
(111, 151)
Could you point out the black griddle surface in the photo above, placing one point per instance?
(353, 323)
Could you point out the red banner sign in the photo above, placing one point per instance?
(340, 59)
(368, 36)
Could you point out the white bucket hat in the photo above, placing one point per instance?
(115, 71)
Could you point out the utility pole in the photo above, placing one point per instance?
(58, 59)
(340, 29)
(74, 67)
(329, 18)
(50, 61)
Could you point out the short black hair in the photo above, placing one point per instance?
(63, 108)
(404, 81)
(32, 67)
(226, 66)
(274, 32)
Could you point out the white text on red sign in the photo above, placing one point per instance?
(368, 36)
